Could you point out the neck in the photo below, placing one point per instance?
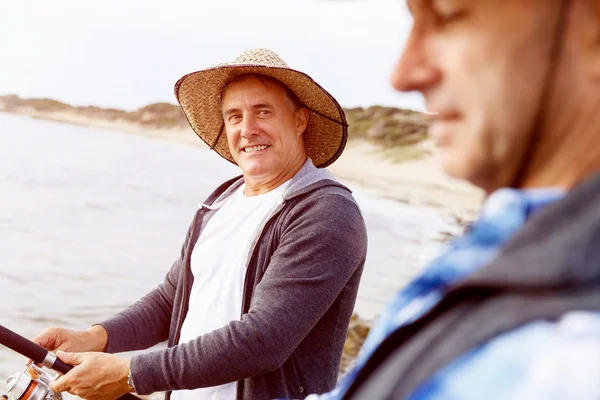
(256, 186)
(568, 152)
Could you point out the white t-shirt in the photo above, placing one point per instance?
(218, 264)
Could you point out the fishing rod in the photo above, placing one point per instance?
(34, 382)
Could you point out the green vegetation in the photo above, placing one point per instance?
(39, 104)
(394, 130)
(386, 126)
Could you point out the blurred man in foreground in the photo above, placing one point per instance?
(512, 309)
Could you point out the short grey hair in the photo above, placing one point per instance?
(290, 96)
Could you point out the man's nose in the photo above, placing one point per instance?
(249, 127)
(415, 70)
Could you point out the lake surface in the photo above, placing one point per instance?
(91, 220)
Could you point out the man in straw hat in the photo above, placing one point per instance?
(512, 309)
(258, 304)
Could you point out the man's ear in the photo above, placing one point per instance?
(301, 120)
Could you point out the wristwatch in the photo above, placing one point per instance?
(130, 381)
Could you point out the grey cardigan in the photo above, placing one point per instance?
(299, 293)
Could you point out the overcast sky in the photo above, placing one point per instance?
(128, 53)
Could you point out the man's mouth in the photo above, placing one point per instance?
(253, 149)
(442, 115)
(442, 127)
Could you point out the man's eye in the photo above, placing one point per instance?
(264, 112)
(447, 11)
(453, 16)
(234, 118)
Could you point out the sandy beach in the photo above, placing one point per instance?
(414, 180)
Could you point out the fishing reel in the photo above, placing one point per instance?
(31, 384)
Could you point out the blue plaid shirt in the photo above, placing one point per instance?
(541, 360)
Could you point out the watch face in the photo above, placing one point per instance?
(130, 381)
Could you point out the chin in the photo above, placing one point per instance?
(455, 166)
(469, 171)
(254, 169)
(450, 164)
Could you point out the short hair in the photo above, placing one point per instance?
(290, 96)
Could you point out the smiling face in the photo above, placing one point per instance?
(264, 130)
(481, 66)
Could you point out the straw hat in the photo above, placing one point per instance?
(199, 94)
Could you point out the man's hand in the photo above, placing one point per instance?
(94, 338)
(96, 376)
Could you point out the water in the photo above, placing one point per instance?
(90, 220)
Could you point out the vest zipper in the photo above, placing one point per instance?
(188, 256)
(251, 253)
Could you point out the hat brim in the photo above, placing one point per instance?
(199, 95)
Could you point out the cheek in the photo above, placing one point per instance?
(279, 135)
(465, 155)
(487, 150)
(494, 100)
(292, 142)
(233, 139)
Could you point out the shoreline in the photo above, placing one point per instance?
(415, 179)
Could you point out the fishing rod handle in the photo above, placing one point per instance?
(39, 354)
(22, 345)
